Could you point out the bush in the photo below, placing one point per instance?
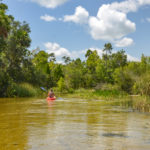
(142, 85)
(124, 80)
(23, 90)
(106, 86)
(61, 84)
(5, 83)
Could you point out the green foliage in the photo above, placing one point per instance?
(119, 59)
(5, 82)
(91, 61)
(5, 21)
(123, 80)
(61, 84)
(23, 90)
(40, 61)
(74, 74)
(88, 53)
(107, 48)
(142, 85)
(108, 74)
(145, 63)
(17, 43)
(66, 59)
(107, 93)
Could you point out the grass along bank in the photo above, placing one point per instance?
(114, 97)
(24, 90)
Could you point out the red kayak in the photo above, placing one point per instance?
(53, 98)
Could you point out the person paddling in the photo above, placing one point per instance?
(51, 94)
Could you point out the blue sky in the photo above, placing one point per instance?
(70, 27)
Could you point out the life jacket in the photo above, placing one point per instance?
(51, 95)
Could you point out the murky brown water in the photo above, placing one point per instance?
(71, 124)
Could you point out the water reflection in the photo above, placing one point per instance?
(70, 124)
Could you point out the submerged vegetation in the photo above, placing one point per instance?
(112, 76)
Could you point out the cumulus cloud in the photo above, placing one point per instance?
(56, 49)
(80, 16)
(50, 3)
(131, 58)
(144, 2)
(111, 22)
(100, 53)
(124, 42)
(48, 18)
(61, 51)
(111, 25)
(125, 6)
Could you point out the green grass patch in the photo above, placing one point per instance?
(115, 97)
(24, 90)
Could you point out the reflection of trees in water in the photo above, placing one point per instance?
(23, 121)
(93, 120)
(13, 126)
(105, 125)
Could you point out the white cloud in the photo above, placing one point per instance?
(80, 16)
(125, 6)
(111, 22)
(111, 25)
(144, 2)
(124, 42)
(148, 19)
(131, 58)
(60, 52)
(100, 53)
(56, 49)
(48, 18)
(50, 3)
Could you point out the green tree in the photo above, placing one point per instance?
(5, 26)
(101, 73)
(66, 59)
(142, 85)
(145, 63)
(52, 57)
(5, 21)
(123, 79)
(40, 61)
(61, 84)
(74, 74)
(91, 64)
(106, 57)
(17, 43)
(88, 53)
(92, 60)
(107, 49)
(119, 59)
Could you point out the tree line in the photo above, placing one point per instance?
(20, 65)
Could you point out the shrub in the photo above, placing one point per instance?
(142, 85)
(61, 84)
(124, 80)
(5, 83)
(23, 90)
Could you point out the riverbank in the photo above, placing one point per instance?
(114, 97)
(25, 90)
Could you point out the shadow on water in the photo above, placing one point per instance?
(120, 135)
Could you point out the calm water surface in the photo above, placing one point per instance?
(71, 124)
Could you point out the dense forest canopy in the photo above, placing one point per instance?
(20, 65)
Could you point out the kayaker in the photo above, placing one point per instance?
(51, 93)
